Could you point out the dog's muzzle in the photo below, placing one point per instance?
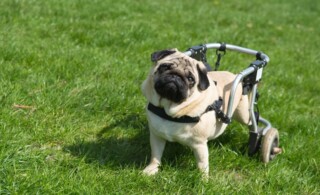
(172, 87)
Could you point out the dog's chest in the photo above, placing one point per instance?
(171, 131)
(186, 133)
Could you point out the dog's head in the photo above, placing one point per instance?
(176, 76)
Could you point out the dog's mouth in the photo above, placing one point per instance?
(172, 87)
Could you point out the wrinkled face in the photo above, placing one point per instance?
(176, 75)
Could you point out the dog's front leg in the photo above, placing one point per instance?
(157, 147)
(202, 156)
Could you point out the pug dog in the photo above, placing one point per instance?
(186, 103)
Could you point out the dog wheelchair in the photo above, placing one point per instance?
(266, 137)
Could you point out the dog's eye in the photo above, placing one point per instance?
(164, 67)
(191, 80)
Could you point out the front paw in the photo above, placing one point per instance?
(205, 177)
(151, 169)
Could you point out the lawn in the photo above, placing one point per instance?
(72, 117)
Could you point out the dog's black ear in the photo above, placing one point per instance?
(158, 55)
(203, 79)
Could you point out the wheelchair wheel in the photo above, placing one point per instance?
(270, 145)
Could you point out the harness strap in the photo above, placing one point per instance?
(219, 114)
(162, 113)
(215, 106)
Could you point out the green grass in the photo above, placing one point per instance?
(78, 65)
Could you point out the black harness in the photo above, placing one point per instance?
(215, 106)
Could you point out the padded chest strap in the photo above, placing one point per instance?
(215, 106)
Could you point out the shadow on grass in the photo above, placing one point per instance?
(125, 143)
(117, 144)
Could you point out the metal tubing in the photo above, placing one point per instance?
(251, 109)
(239, 49)
(235, 84)
(267, 125)
(188, 53)
(233, 48)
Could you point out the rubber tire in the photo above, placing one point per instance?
(269, 141)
